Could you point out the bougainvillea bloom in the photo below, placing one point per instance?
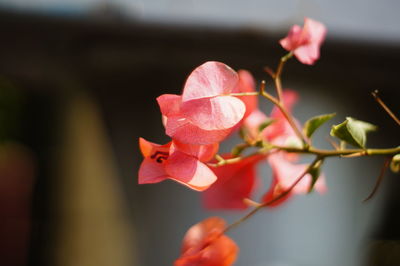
(205, 113)
(285, 174)
(177, 161)
(205, 245)
(305, 42)
(235, 183)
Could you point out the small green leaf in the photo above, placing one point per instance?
(395, 163)
(238, 149)
(353, 131)
(315, 122)
(242, 133)
(265, 124)
(315, 172)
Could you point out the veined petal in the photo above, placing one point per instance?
(189, 171)
(151, 172)
(170, 104)
(216, 113)
(181, 129)
(149, 148)
(209, 80)
(204, 153)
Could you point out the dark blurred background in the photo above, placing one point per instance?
(78, 82)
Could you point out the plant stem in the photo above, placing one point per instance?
(277, 75)
(385, 107)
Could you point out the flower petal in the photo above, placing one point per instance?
(204, 153)
(316, 30)
(198, 232)
(209, 80)
(149, 148)
(222, 112)
(204, 245)
(235, 183)
(293, 39)
(189, 171)
(151, 172)
(181, 129)
(169, 104)
(247, 84)
(307, 54)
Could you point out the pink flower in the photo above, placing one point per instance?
(205, 245)
(177, 161)
(205, 113)
(285, 174)
(305, 42)
(235, 183)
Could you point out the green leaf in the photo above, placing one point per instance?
(315, 172)
(395, 163)
(265, 124)
(353, 131)
(238, 149)
(315, 122)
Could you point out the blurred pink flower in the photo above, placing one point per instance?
(285, 174)
(205, 245)
(305, 42)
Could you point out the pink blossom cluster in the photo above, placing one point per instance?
(214, 104)
(206, 113)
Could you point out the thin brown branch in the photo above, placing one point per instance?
(379, 179)
(385, 107)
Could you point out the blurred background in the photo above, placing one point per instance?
(78, 82)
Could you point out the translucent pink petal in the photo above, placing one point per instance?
(305, 42)
(293, 39)
(316, 30)
(189, 171)
(181, 129)
(307, 54)
(170, 104)
(286, 173)
(204, 153)
(209, 80)
(216, 113)
(235, 183)
(247, 84)
(149, 148)
(151, 172)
